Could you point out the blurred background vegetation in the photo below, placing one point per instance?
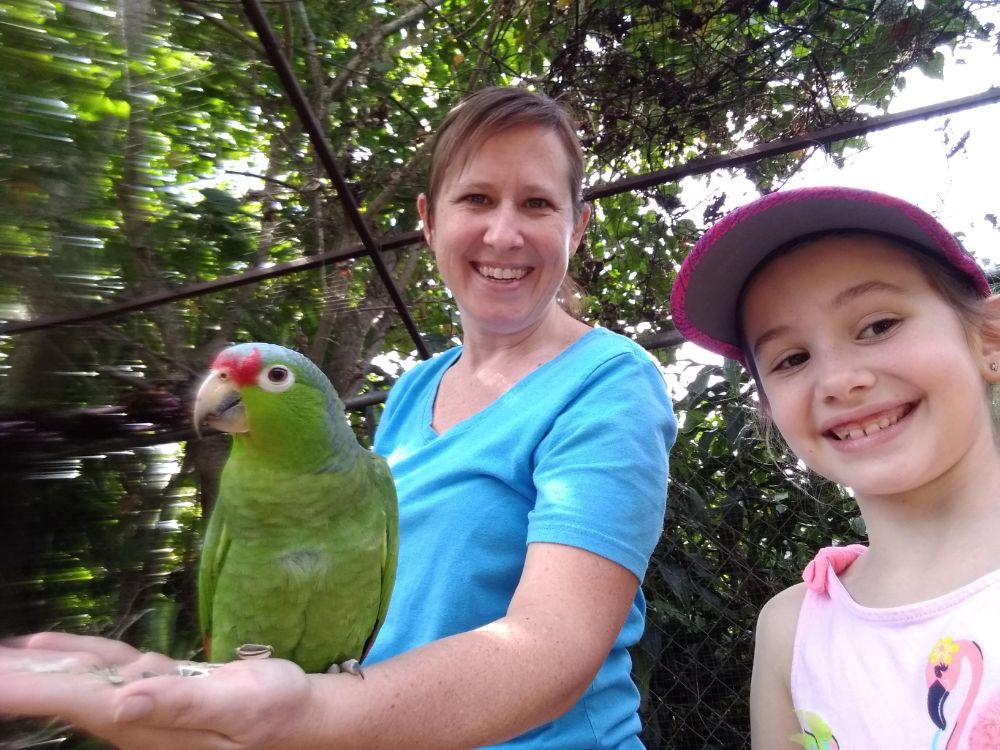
(146, 147)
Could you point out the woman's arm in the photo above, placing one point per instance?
(497, 681)
(470, 689)
(772, 715)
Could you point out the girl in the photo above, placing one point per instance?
(873, 341)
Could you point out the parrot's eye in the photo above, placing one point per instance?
(276, 378)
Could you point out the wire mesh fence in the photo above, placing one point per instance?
(743, 519)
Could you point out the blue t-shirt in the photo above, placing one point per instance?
(574, 453)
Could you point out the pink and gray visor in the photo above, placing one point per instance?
(707, 290)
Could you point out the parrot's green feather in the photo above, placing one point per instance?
(300, 551)
(391, 547)
(213, 552)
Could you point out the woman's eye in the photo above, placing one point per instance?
(879, 327)
(475, 198)
(536, 203)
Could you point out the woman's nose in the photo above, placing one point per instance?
(503, 228)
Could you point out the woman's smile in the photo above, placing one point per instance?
(502, 273)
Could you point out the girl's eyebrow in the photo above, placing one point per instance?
(859, 290)
(770, 333)
(841, 299)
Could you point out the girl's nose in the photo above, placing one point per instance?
(503, 228)
(842, 378)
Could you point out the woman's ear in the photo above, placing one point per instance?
(425, 219)
(579, 228)
(989, 340)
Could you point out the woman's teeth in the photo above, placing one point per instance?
(502, 274)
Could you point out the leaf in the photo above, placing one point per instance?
(932, 66)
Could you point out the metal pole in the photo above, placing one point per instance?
(315, 130)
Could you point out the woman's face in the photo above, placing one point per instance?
(503, 230)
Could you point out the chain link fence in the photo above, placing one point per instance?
(744, 517)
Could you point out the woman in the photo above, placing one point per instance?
(531, 466)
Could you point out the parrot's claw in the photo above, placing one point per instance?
(191, 669)
(254, 651)
(351, 666)
(109, 675)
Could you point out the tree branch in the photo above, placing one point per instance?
(368, 48)
(220, 23)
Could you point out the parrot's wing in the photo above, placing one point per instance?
(214, 550)
(385, 488)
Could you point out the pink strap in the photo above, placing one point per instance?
(838, 558)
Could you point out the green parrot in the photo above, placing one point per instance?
(300, 550)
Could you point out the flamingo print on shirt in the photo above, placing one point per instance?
(816, 733)
(949, 659)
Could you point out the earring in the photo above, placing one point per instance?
(994, 366)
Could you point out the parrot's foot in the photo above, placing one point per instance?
(191, 669)
(254, 651)
(351, 666)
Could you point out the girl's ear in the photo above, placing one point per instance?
(989, 340)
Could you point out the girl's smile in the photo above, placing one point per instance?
(853, 429)
(868, 373)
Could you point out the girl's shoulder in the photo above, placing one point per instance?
(779, 616)
(778, 620)
(836, 559)
(773, 653)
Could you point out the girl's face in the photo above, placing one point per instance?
(503, 230)
(868, 372)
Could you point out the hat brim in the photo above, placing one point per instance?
(708, 287)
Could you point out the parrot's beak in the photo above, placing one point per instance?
(218, 405)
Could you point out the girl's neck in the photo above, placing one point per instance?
(933, 540)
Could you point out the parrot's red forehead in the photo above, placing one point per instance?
(243, 370)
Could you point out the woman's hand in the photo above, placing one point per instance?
(474, 688)
(138, 700)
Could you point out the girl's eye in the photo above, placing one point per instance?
(879, 327)
(792, 360)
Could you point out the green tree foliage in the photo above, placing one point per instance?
(146, 146)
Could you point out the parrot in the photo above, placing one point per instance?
(300, 549)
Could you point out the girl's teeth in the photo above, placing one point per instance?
(866, 429)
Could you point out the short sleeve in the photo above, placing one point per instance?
(601, 470)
